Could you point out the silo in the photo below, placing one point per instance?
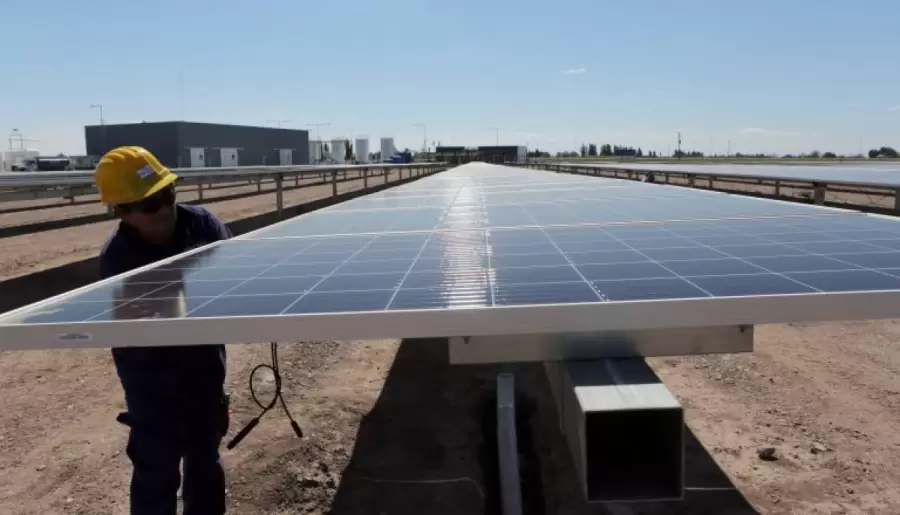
(315, 152)
(362, 150)
(338, 151)
(387, 149)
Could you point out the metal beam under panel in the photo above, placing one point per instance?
(624, 428)
(595, 345)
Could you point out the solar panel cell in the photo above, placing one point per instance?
(648, 289)
(746, 285)
(341, 302)
(848, 280)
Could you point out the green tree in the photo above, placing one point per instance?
(887, 152)
(348, 150)
(592, 149)
(583, 150)
(829, 155)
(606, 150)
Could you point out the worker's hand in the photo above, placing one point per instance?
(226, 414)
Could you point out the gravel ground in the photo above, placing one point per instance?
(391, 428)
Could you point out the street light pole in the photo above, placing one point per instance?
(102, 127)
(278, 122)
(100, 107)
(319, 137)
(424, 136)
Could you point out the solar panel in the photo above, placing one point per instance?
(857, 174)
(484, 249)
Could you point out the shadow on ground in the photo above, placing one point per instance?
(428, 446)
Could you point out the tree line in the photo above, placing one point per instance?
(607, 150)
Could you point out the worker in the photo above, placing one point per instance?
(176, 407)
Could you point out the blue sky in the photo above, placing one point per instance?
(768, 75)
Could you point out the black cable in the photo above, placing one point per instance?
(266, 407)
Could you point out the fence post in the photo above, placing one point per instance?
(279, 195)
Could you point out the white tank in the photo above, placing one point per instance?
(315, 151)
(361, 149)
(387, 148)
(338, 151)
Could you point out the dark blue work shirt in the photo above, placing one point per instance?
(126, 249)
(171, 368)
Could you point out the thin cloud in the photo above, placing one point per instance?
(772, 132)
(894, 108)
(574, 71)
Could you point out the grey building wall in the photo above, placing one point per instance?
(256, 145)
(170, 142)
(160, 138)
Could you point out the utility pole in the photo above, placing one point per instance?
(278, 122)
(497, 132)
(729, 148)
(100, 107)
(424, 136)
(679, 145)
(318, 126)
(102, 127)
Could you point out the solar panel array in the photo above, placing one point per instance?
(482, 236)
(859, 174)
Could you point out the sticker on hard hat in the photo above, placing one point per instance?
(145, 171)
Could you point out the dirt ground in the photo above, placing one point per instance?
(391, 428)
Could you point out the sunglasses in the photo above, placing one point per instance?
(153, 203)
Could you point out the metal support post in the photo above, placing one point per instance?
(668, 175)
(819, 194)
(334, 184)
(777, 188)
(624, 428)
(387, 173)
(297, 180)
(259, 185)
(897, 200)
(279, 195)
(200, 191)
(365, 173)
(691, 181)
(508, 446)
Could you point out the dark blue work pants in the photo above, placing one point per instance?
(175, 411)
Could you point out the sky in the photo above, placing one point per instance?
(780, 76)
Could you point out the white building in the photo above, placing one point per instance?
(362, 150)
(338, 151)
(315, 151)
(387, 148)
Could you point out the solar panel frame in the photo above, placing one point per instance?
(510, 314)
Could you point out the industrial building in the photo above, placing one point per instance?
(488, 154)
(191, 144)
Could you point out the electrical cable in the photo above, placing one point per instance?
(277, 397)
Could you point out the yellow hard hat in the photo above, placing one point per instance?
(130, 174)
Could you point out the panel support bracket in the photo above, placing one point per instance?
(597, 345)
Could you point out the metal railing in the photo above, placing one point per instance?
(20, 186)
